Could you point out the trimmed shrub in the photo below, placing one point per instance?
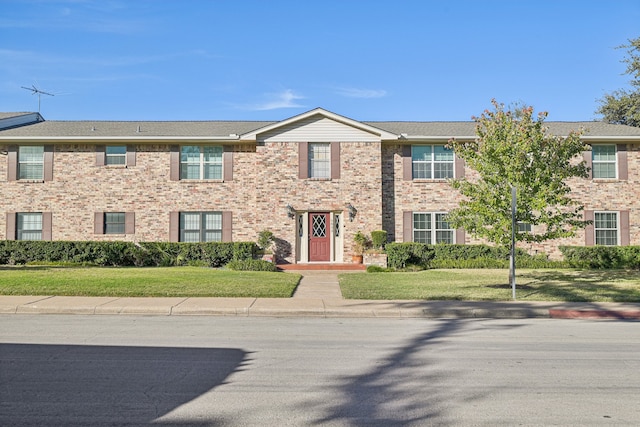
(399, 255)
(599, 257)
(378, 269)
(378, 239)
(123, 254)
(419, 255)
(251, 265)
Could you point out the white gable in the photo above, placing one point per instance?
(317, 128)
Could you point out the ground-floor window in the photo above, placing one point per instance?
(114, 223)
(432, 228)
(29, 226)
(605, 225)
(200, 226)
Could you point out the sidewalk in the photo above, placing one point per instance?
(318, 295)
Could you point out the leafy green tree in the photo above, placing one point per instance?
(514, 149)
(623, 106)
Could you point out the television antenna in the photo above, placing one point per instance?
(34, 90)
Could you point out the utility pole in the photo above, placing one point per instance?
(512, 257)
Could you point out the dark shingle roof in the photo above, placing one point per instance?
(133, 129)
(459, 129)
(186, 129)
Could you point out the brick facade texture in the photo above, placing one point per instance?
(265, 180)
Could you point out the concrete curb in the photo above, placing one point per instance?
(313, 307)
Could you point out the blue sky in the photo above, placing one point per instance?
(269, 60)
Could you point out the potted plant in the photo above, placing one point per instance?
(360, 244)
(265, 241)
(376, 255)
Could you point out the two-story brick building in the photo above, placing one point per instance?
(313, 180)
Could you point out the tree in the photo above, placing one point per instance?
(623, 106)
(514, 149)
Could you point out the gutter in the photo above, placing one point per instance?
(119, 139)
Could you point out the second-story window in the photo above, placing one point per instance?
(198, 162)
(319, 160)
(116, 155)
(604, 161)
(432, 162)
(31, 162)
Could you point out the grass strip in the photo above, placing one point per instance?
(145, 282)
(493, 285)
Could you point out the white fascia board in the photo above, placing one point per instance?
(417, 138)
(20, 120)
(118, 139)
(626, 138)
(253, 135)
(586, 138)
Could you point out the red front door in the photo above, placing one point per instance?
(319, 237)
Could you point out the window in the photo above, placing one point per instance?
(29, 226)
(201, 226)
(116, 155)
(524, 227)
(114, 223)
(31, 162)
(432, 228)
(605, 225)
(432, 162)
(604, 161)
(200, 162)
(319, 160)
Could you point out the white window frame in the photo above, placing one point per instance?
(524, 227)
(606, 229)
(22, 163)
(115, 227)
(203, 233)
(613, 162)
(320, 160)
(113, 156)
(433, 229)
(432, 163)
(20, 225)
(202, 162)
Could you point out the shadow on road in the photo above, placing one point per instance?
(77, 385)
(407, 388)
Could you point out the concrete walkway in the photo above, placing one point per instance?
(318, 284)
(318, 295)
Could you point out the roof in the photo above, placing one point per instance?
(233, 130)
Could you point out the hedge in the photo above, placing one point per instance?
(599, 257)
(123, 254)
(401, 255)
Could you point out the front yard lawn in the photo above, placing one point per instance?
(139, 282)
(493, 285)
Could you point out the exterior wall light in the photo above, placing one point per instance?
(291, 213)
(352, 212)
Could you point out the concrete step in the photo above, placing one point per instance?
(323, 267)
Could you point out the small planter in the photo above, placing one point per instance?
(269, 257)
(378, 259)
(356, 259)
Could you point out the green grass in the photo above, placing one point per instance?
(135, 282)
(493, 285)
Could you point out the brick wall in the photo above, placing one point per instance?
(265, 180)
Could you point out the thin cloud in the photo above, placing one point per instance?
(286, 99)
(352, 92)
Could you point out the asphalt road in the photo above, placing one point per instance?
(219, 371)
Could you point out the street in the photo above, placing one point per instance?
(223, 371)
